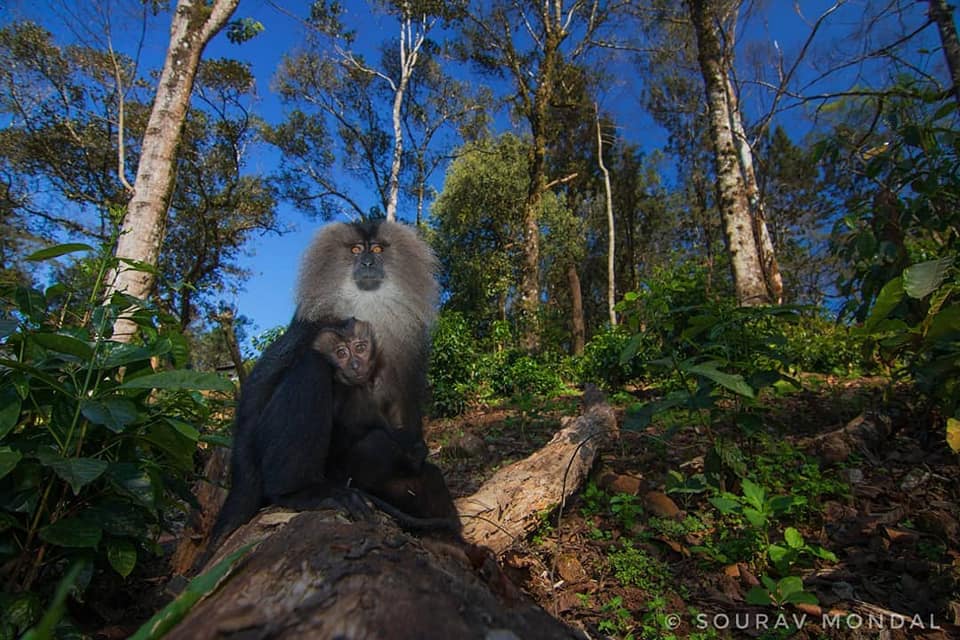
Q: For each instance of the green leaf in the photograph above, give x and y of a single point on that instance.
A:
(945, 323)
(57, 251)
(781, 556)
(122, 555)
(113, 413)
(823, 554)
(754, 493)
(173, 613)
(121, 355)
(8, 460)
(77, 472)
(756, 517)
(922, 279)
(782, 504)
(725, 505)
(759, 596)
(10, 404)
(180, 380)
(63, 344)
(890, 296)
(730, 381)
(135, 482)
(793, 538)
(790, 584)
(77, 533)
(172, 442)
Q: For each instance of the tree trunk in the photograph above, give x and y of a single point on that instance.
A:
(318, 575)
(141, 232)
(942, 14)
(768, 259)
(577, 325)
(748, 277)
(611, 233)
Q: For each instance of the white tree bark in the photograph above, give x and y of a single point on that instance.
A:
(194, 23)
(611, 233)
(413, 33)
(748, 275)
(768, 259)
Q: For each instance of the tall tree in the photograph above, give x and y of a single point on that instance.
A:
(530, 42)
(740, 226)
(334, 88)
(194, 23)
(942, 14)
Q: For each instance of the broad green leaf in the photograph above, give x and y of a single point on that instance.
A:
(135, 482)
(754, 493)
(8, 460)
(77, 533)
(945, 323)
(63, 344)
(180, 380)
(890, 296)
(922, 279)
(113, 413)
(782, 504)
(725, 505)
(186, 430)
(122, 555)
(793, 538)
(780, 554)
(121, 355)
(168, 439)
(173, 613)
(77, 472)
(756, 517)
(953, 434)
(790, 584)
(823, 554)
(119, 517)
(10, 404)
(57, 251)
(731, 381)
(759, 596)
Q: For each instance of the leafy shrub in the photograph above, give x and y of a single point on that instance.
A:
(816, 345)
(523, 375)
(95, 447)
(601, 361)
(453, 364)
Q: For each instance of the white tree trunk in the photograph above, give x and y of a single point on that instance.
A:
(611, 233)
(748, 276)
(194, 23)
(768, 259)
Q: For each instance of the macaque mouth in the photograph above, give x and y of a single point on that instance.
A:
(368, 283)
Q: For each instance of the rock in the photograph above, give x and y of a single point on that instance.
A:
(570, 569)
(468, 445)
(660, 505)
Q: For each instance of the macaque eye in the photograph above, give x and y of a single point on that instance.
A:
(343, 353)
(376, 248)
(360, 347)
(356, 249)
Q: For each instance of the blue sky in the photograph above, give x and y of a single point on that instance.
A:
(267, 297)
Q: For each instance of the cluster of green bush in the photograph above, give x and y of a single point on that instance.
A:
(668, 328)
(97, 443)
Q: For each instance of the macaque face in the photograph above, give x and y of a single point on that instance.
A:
(351, 351)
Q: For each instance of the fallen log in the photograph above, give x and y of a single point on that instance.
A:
(508, 507)
(319, 575)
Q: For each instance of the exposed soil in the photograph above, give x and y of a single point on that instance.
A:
(882, 491)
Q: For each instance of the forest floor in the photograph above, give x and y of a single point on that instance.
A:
(854, 467)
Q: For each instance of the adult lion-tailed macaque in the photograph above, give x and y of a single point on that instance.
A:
(383, 274)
